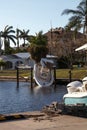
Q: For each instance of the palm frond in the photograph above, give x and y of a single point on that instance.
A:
(10, 31)
(81, 10)
(69, 11)
(27, 31)
(7, 28)
(10, 38)
(82, 3)
(79, 16)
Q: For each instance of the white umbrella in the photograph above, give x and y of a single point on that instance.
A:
(83, 47)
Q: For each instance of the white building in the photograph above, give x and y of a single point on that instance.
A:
(21, 58)
(15, 59)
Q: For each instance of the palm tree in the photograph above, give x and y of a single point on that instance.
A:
(17, 37)
(39, 39)
(7, 34)
(78, 19)
(0, 45)
(38, 46)
(24, 35)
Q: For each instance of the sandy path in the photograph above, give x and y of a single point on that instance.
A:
(61, 122)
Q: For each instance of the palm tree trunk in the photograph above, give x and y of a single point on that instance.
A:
(17, 35)
(4, 45)
(0, 43)
(18, 43)
(24, 42)
(86, 21)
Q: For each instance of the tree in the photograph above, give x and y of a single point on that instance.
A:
(17, 37)
(2, 64)
(0, 45)
(23, 34)
(38, 46)
(39, 39)
(78, 19)
(7, 34)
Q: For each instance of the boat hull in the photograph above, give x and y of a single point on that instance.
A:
(75, 98)
(43, 79)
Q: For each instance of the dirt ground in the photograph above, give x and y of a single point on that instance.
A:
(39, 121)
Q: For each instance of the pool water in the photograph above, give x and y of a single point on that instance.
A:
(15, 99)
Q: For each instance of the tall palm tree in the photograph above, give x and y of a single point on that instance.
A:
(41, 39)
(0, 44)
(7, 34)
(17, 37)
(78, 19)
(38, 46)
(24, 35)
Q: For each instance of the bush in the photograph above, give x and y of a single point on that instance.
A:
(37, 52)
(63, 63)
(2, 63)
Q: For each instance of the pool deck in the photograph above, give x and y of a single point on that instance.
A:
(39, 121)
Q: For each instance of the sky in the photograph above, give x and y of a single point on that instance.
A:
(35, 15)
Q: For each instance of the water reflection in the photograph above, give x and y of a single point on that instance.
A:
(23, 98)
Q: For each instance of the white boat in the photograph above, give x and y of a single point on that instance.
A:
(74, 86)
(77, 93)
(43, 75)
(75, 98)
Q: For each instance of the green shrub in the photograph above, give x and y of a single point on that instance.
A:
(37, 52)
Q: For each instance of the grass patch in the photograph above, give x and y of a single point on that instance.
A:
(76, 73)
(60, 73)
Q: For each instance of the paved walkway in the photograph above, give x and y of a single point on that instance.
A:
(61, 122)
